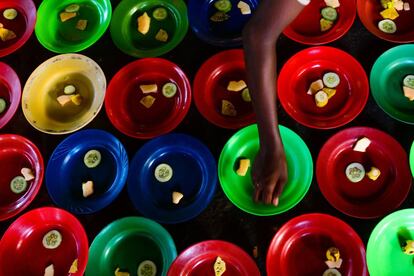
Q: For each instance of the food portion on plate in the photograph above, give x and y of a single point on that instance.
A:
(20, 183)
(145, 268)
(237, 86)
(324, 89)
(223, 7)
(392, 10)
(219, 266)
(169, 90)
(12, 25)
(145, 23)
(329, 15)
(408, 87)
(73, 12)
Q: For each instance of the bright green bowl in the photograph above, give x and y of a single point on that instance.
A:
(126, 242)
(386, 80)
(124, 27)
(245, 143)
(63, 37)
(384, 253)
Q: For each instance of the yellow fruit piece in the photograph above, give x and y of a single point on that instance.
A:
(389, 13)
(333, 254)
(161, 35)
(228, 109)
(219, 267)
(27, 174)
(362, 144)
(148, 88)
(409, 93)
(332, 3)
(374, 173)
(236, 86)
(244, 8)
(74, 266)
(147, 101)
(315, 87)
(144, 22)
(50, 270)
(176, 197)
(329, 91)
(6, 34)
(65, 16)
(321, 99)
(63, 100)
(120, 273)
(87, 188)
(244, 165)
(81, 24)
(76, 99)
(409, 247)
(325, 24)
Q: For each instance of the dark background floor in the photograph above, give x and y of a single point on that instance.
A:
(221, 220)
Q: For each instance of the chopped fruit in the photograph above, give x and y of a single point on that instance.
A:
(163, 172)
(169, 90)
(120, 273)
(389, 13)
(409, 247)
(329, 91)
(325, 24)
(355, 172)
(219, 267)
(362, 144)
(409, 81)
(92, 158)
(147, 268)
(10, 14)
(399, 5)
(384, 3)
(244, 165)
(148, 88)
(244, 8)
(147, 101)
(87, 188)
(406, 6)
(144, 22)
(228, 109)
(236, 86)
(18, 185)
(315, 87)
(76, 99)
(3, 105)
(332, 3)
(331, 80)
(409, 93)
(65, 16)
(219, 17)
(72, 8)
(387, 26)
(333, 254)
(6, 34)
(27, 174)
(246, 95)
(331, 272)
(374, 173)
(52, 239)
(81, 24)
(160, 14)
(321, 99)
(161, 35)
(176, 197)
(336, 264)
(64, 99)
(74, 266)
(223, 5)
(69, 89)
(49, 271)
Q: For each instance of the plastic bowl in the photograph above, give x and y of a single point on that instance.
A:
(127, 242)
(367, 198)
(210, 88)
(10, 91)
(199, 259)
(306, 27)
(224, 34)
(124, 26)
(16, 153)
(64, 37)
(239, 190)
(22, 25)
(369, 13)
(66, 171)
(22, 251)
(46, 83)
(123, 98)
(310, 65)
(194, 175)
(412, 159)
(385, 256)
(299, 247)
(386, 80)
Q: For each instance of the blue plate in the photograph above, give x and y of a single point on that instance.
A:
(66, 171)
(225, 34)
(194, 175)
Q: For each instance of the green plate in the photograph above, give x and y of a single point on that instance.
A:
(245, 143)
(412, 159)
(124, 27)
(126, 242)
(63, 37)
(384, 253)
(386, 81)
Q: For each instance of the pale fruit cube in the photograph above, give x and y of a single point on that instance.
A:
(362, 144)
(87, 188)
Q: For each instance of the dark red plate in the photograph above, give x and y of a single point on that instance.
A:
(308, 66)
(122, 101)
(306, 27)
(365, 199)
(369, 13)
(299, 247)
(22, 251)
(16, 152)
(198, 260)
(10, 91)
(210, 88)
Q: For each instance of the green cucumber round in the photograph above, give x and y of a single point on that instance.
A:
(223, 5)
(408, 81)
(329, 13)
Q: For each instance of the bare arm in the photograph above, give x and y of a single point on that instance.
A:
(259, 37)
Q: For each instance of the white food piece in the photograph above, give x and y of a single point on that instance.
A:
(336, 264)
(50, 270)
(27, 174)
(87, 188)
(407, 6)
(176, 197)
(362, 144)
(332, 3)
(64, 100)
(244, 8)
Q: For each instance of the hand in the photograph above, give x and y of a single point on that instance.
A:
(269, 173)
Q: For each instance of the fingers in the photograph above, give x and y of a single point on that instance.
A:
(278, 190)
(267, 194)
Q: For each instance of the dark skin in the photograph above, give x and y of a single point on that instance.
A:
(269, 170)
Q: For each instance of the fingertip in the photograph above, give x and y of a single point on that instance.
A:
(275, 201)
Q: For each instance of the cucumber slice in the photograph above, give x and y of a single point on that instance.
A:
(52, 239)
(331, 80)
(408, 81)
(3, 105)
(329, 13)
(72, 8)
(69, 89)
(163, 172)
(92, 159)
(223, 5)
(331, 272)
(147, 268)
(387, 26)
(10, 14)
(169, 90)
(18, 185)
(160, 14)
(246, 95)
(355, 172)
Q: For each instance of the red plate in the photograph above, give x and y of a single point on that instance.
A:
(369, 13)
(210, 88)
(17, 152)
(123, 98)
(299, 247)
(306, 27)
(10, 91)
(309, 65)
(198, 260)
(367, 198)
(22, 251)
